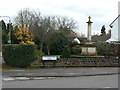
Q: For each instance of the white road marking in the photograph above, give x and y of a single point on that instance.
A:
(39, 78)
(22, 78)
(50, 73)
(8, 79)
(106, 87)
(17, 70)
(50, 77)
(25, 78)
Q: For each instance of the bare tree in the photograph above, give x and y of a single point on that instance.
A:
(50, 35)
(25, 17)
(44, 27)
(39, 28)
(82, 35)
(65, 25)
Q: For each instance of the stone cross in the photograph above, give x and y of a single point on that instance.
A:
(89, 18)
(89, 29)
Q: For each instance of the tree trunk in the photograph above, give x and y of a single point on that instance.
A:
(48, 50)
(41, 45)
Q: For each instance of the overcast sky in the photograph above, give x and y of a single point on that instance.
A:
(103, 12)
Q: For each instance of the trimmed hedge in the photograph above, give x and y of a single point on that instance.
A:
(19, 55)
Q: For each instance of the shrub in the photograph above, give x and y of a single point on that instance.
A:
(40, 53)
(76, 50)
(118, 51)
(22, 42)
(19, 55)
(104, 48)
(27, 42)
(66, 52)
(30, 42)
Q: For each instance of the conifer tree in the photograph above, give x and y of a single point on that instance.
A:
(103, 30)
(66, 52)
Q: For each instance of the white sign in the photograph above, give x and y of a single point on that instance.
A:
(9, 41)
(91, 50)
(84, 50)
(49, 58)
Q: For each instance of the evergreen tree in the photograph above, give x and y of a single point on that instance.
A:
(103, 30)
(58, 46)
(3, 26)
(14, 39)
(5, 36)
(8, 28)
(66, 52)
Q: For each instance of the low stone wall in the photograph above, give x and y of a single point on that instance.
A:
(78, 62)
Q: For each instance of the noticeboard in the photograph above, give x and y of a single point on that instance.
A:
(91, 50)
(49, 58)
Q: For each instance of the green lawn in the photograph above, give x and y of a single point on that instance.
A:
(78, 56)
(58, 56)
(4, 66)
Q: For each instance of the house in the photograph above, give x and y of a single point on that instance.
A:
(100, 38)
(73, 38)
(115, 31)
(115, 28)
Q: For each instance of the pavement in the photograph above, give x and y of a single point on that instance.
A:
(60, 72)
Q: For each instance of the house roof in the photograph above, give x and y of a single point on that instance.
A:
(114, 21)
(96, 38)
(72, 35)
(87, 45)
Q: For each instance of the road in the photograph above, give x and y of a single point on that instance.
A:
(104, 81)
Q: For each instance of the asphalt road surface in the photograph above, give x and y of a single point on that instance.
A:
(104, 81)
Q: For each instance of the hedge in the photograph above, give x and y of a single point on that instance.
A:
(19, 55)
(76, 50)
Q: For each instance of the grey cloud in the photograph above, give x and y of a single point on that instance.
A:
(96, 27)
(96, 12)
